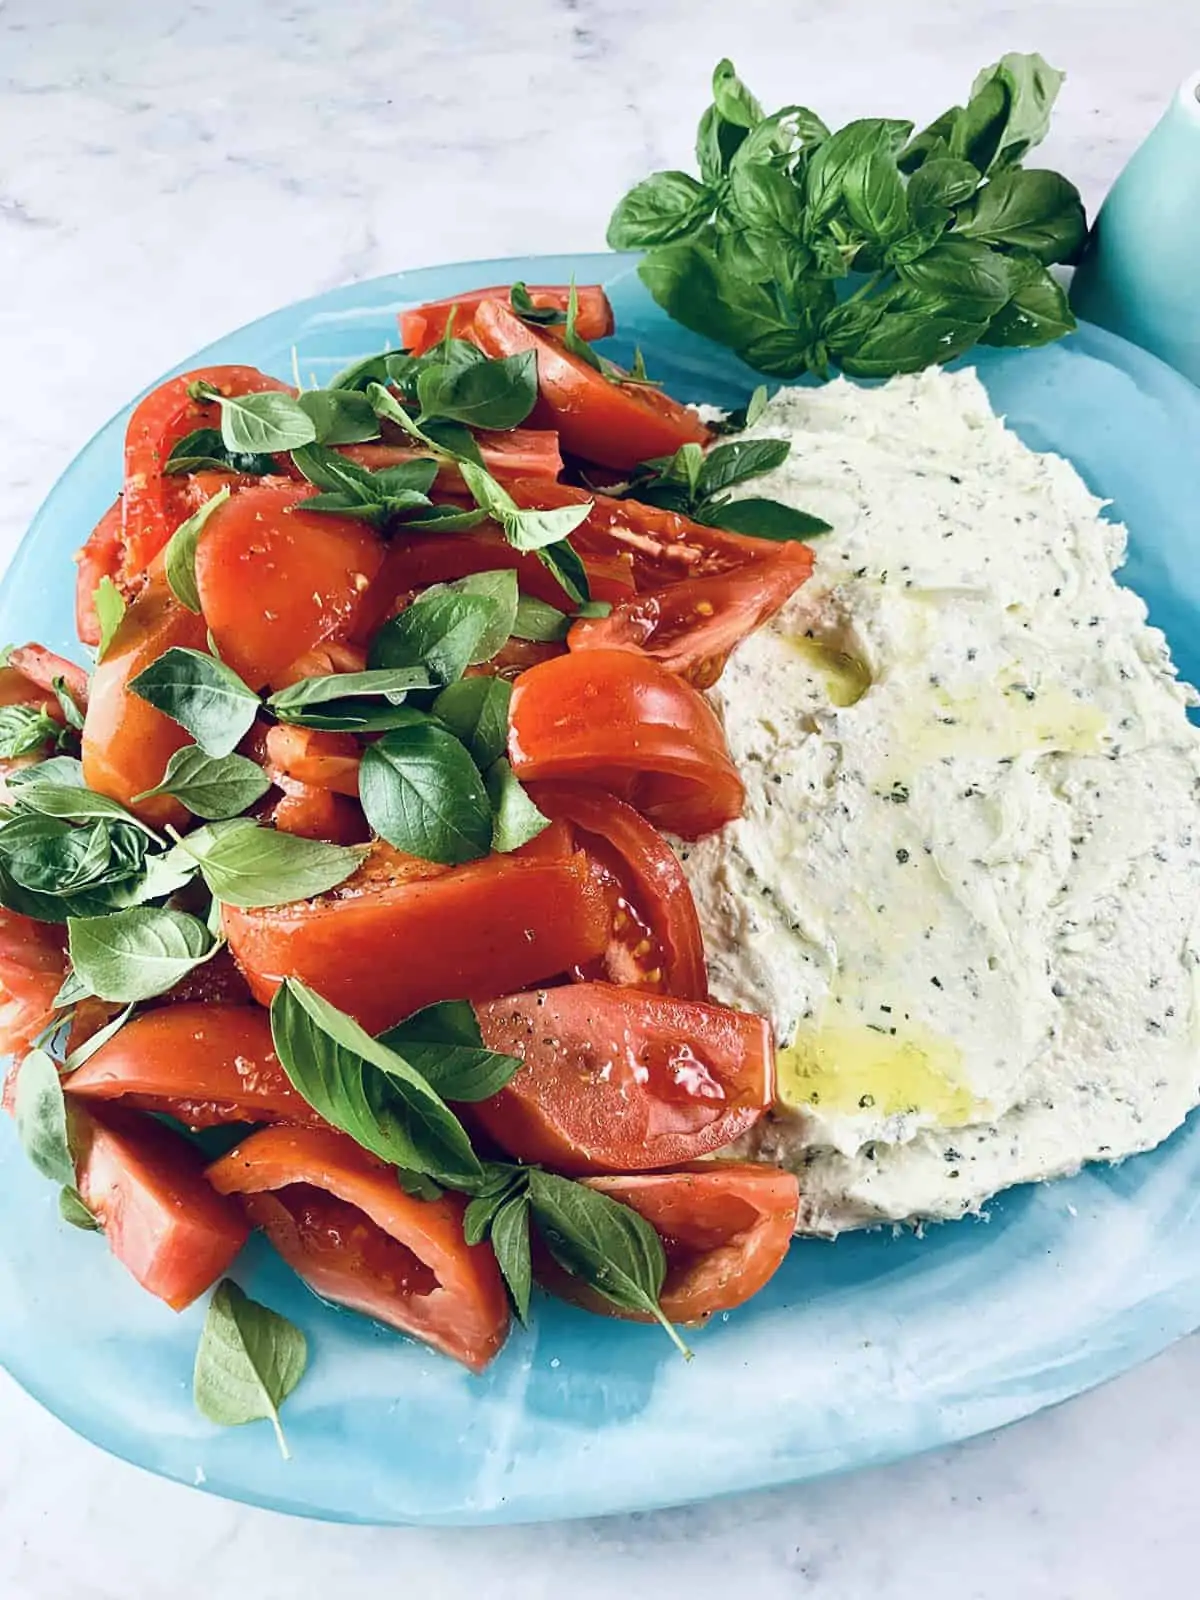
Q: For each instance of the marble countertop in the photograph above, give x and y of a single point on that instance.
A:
(169, 172)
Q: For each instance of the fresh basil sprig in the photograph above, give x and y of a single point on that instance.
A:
(203, 450)
(450, 627)
(51, 870)
(540, 316)
(695, 482)
(24, 729)
(249, 1360)
(212, 787)
(352, 702)
(751, 253)
(202, 695)
(383, 497)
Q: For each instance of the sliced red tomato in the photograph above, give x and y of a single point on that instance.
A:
(163, 1220)
(516, 657)
(519, 453)
(42, 667)
(275, 582)
(626, 723)
(99, 558)
(32, 967)
(665, 546)
(403, 933)
(693, 626)
(314, 812)
(654, 932)
(618, 1080)
(421, 328)
(341, 1221)
(201, 1062)
(18, 690)
(155, 503)
(126, 742)
(616, 424)
(725, 1227)
(324, 660)
(316, 757)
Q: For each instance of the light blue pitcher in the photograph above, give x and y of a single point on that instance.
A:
(1140, 275)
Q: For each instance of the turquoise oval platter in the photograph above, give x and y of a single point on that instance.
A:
(860, 1351)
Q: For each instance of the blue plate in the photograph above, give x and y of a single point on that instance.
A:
(858, 1352)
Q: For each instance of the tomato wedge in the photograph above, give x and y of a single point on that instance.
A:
(42, 667)
(126, 742)
(145, 1184)
(402, 933)
(618, 1080)
(343, 1223)
(314, 756)
(201, 1062)
(32, 967)
(312, 812)
(654, 938)
(693, 626)
(665, 546)
(616, 424)
(725, 1228)
(520, 453)
(99, 558)
(275, 582)
(421, 328)
(626, 723)
(155, 503)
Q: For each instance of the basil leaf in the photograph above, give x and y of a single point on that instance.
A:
(70, 707)
(421, 792)
(110, 608)
(246, 865)
(497, 394)
(476, 712)
(366, 1089)
(942, 182)
(443, 1043)
(72, 1209)
(249, 1360)
(442, 630)
(263, 423)
(568, 571)
(101, 1037)
(607, 1244)
(529, 530)
(478, 1217)
(1037, 313)
(499, 586)
(766, 199)
(847, 162)
(25, 728)
(733, 100)
(357, 714)
(136, 954)
(541, 316)
(41, 1113)
(212, 787)
(72, 803)
(763, 519)
(180, 555)
(717, 142)
(1036, 211)
(60, 771)
(339, 416)
(510, 1241)
(571, 338)
(907, 340)
(71, 990)
(390, 683)
(442, 519)
(329, 470)
(381, 368)
(542, 623)
(202, 695)
(962, 270)
(204, 450)
(516, 818)
(665, 206)
(727, 464)
(49, 870)
(419, 1185)
(1029, 87)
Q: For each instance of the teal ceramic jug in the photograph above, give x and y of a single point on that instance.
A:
(1140, 275)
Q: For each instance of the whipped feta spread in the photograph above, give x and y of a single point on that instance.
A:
(966, 886)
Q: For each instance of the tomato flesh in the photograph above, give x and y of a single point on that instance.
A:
(619, 1080)
(624, 722)
(314, 756)
(519, 453)
(163, 1220)
(42, 667)
(424, 326)
(311, 811)
(341, 1221)
(655, 940)
(33, 964)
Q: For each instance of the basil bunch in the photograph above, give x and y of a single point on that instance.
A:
(696, 482)
(955, 237)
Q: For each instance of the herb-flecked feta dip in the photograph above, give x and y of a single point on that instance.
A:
(966, 884)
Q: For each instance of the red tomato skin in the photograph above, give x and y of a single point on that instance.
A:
(464, 1314)
(725, 1225)
(693, 626)
(617, 425)
(126, 742)
(314, 756)
(155, 503)
(162, 1219)
(202, 1062)
(42, 667)
(382, 946)
(314, 812)
(619, 1080)
(33, 965)
(519, 453)
(275, 582)
(623, 722)
(424, 326)
(99, 558)
(654, 890)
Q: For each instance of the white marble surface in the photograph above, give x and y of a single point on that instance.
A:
(170, 171)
